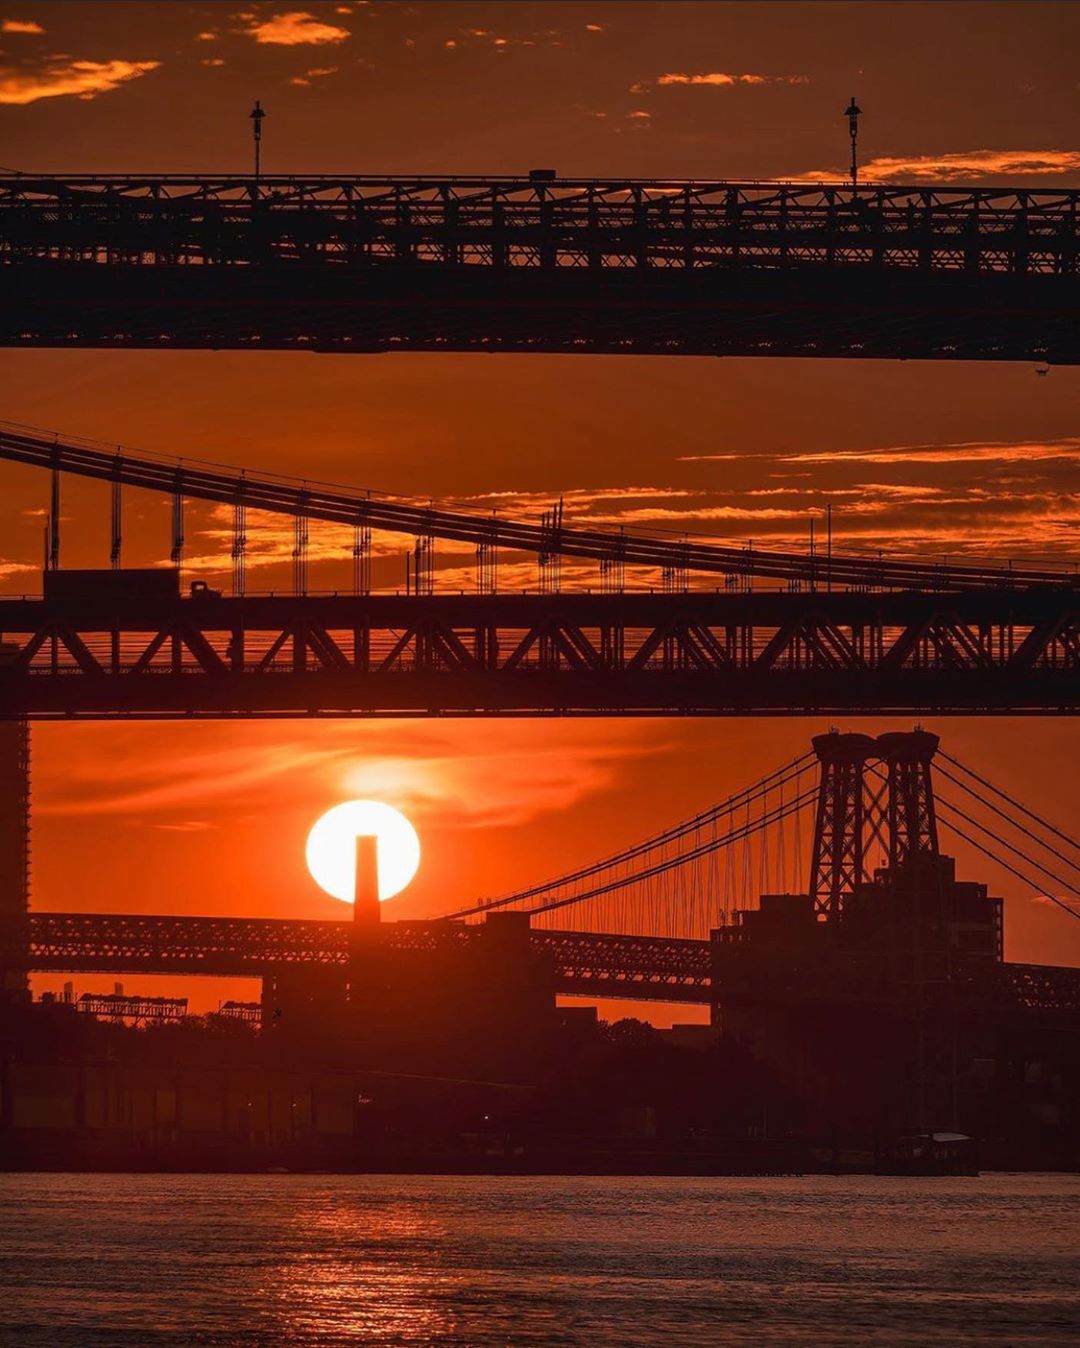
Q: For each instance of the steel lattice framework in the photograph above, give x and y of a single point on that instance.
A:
(366, 263)
(979, 651)
(634, 967)
(617, 966)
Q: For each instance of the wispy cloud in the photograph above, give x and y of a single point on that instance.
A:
(296, 28)
(958, 166)
(9, 568)
(719, 79)
(64, 77)
(20, 26)
(188, 826)
(713, 79)
(964, 452)
(320, 72)
(437, 774)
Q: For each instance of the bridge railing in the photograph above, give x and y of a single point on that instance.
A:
(513, 222)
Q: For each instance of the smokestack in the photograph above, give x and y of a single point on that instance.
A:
(366, 908)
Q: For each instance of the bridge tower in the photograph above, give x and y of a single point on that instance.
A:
(838, 867)
(912, 817)
(14, 857)
(872, 790)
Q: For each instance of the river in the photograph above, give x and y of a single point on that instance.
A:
(157, 1261)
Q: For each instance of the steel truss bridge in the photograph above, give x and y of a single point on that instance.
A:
(637, 968)
(520, 264)
(569, 654)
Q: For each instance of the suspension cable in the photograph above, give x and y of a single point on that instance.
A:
(1045, 823)
(789, 772)
(735, 835)
(999, 861)
(1013, 823)
(1007, 845)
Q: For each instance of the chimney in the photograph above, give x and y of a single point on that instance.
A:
(366, 897)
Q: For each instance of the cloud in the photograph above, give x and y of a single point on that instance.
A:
(958, 166)
(296, 28)
(594, 28)
(212, 61)
(208, 36)
(60, 78)
(188, 826)
(964, 452)
(20, 26)
(65, 77)
(717, 79)
(439, 774)
(320, 72)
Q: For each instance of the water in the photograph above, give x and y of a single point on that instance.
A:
(234, 1261)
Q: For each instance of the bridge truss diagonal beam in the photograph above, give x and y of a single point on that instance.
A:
(640, 968)
(471, 655)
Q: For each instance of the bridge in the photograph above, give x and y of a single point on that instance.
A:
(702, 654)
(712, 628)
(626, 967)
(536, 263)
(878, 918)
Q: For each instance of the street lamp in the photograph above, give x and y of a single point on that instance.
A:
(851, 112)
(257, 116)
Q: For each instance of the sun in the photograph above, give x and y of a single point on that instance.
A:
(331, 848)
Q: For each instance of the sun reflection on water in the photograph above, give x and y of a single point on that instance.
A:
(366, 1273)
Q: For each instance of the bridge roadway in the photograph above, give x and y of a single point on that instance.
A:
(635, 968)
(698, 653)
(510, 264)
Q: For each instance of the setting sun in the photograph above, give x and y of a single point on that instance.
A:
(331, 848)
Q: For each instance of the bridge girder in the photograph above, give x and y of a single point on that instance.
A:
(364, 264)
(564, 654)
(636, 968)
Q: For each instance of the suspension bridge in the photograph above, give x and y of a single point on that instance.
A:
(538, 263)
(674, 625)
(671, 917)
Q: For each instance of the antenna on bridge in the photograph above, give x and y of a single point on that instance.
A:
(257, 116)
(852, 112)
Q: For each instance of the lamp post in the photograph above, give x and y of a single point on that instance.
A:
(851, 112)
(257, 116)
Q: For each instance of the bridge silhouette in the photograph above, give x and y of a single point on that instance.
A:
(875, 833)
(783, 632)
(343, 264)
(364, 264)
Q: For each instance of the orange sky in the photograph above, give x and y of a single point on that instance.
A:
(213, 818)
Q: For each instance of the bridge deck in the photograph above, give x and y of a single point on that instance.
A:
(638, 968)
(362, 264)
(977, 651)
